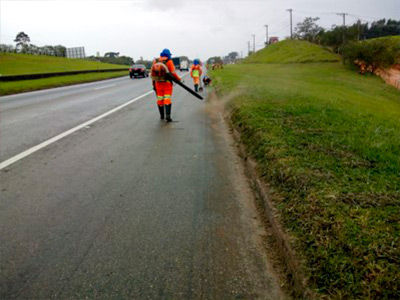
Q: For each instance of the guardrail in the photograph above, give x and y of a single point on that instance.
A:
(47, 75)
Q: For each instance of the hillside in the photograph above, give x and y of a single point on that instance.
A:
(15, 64)
(292, 51)
(326, 142)
(393, 37)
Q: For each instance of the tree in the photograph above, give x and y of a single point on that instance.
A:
(376, 53)
(33, 49)
(214, 60)
(111, 54)
(147, 63)
(232, 56)
(7, 48)
(308, 29)
(121, 60)
(22, 40)
(60, 50)
(48, 50)
(181, 58)
(334, 38)
(384, 28)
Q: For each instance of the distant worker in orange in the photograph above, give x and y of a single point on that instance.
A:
(162, 68)
(195, 72)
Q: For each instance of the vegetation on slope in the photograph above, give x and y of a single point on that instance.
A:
(15, 87)
(292, 51)
(327, 143)
(16, 64)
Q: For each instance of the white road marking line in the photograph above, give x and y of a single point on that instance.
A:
(24, 154)
(104, 87)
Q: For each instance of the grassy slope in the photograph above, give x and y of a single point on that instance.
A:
(14, 64)
(393, 37)
(327, 141)
(292, 51)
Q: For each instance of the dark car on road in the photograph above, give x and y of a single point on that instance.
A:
(138, 70)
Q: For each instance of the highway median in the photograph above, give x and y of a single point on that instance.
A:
(15, 87)
(56, 71)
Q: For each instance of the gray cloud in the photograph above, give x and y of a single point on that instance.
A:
(189, 27)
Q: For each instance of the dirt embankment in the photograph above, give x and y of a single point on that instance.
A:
(391, 75)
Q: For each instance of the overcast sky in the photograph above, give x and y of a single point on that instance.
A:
(196, 28)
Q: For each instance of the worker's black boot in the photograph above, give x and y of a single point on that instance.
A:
(161, 109)
(196, 88)
(168, 113)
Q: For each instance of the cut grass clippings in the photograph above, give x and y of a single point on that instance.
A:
(327, 143)
(14, 87)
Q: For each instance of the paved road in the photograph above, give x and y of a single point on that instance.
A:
(129, 207)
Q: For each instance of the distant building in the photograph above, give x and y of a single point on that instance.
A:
(273, 40)
(76, 52)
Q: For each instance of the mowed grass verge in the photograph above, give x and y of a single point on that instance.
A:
(327, 142)
(14, 87)
(17, 64)
(292, 51)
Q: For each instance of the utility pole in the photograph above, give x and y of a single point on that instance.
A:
(266, 41)
(291, 23)
(344, 17)
(254, 43)
(344, 24)
(248, 44)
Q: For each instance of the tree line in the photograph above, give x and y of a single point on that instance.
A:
(231, 58)
(24, 46)
(366, 46)
(338, 36)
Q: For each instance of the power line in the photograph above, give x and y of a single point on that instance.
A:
(364, 17)
(283, 24)
(280, 30)
(333, 13)
(314, 12)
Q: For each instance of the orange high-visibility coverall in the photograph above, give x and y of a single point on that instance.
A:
(164, 87)
(195, 73)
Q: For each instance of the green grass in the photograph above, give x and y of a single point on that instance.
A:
(14, 87)
(292, 51)
(392, 37)
(327, 141)
(16, 64)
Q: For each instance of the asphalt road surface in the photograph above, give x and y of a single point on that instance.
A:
(128, 207)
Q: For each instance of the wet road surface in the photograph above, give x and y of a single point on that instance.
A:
(129, 207)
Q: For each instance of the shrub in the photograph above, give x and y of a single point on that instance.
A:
(374, 54)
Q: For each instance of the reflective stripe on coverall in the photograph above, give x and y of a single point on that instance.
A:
(196, 73)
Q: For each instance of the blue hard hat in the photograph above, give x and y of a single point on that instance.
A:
(166, 53)
(196, 61)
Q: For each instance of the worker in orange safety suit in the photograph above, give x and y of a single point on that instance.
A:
(163, 87)
(195, 72)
